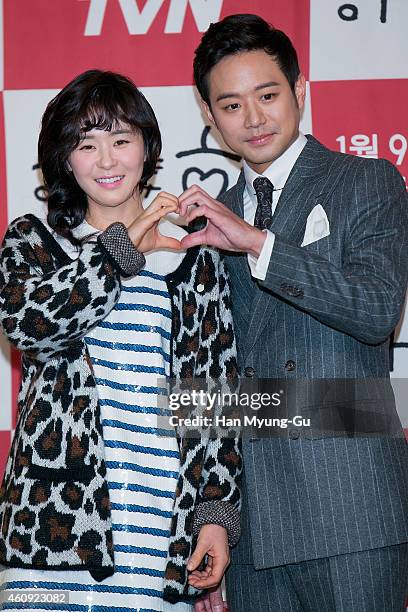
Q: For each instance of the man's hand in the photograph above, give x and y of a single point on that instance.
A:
(212, 601)
(144, 231)
(213, 542)
(224, 229)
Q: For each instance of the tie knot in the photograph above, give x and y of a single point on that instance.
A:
(263, 185)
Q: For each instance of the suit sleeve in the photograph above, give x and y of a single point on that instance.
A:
(364, 296)
(44, 313)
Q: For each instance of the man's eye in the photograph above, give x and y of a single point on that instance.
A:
(269, 96)
(233, 106)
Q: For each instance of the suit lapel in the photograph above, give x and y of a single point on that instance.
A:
(243, 288)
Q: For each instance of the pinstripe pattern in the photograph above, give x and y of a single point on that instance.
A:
(311, 497)
(367, 581)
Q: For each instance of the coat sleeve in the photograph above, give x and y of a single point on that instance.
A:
(44, 312)
(364, 296)
(219, 499)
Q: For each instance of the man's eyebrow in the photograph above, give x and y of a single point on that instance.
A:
(268, 84)
(231, 94)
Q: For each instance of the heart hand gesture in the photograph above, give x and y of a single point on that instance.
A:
(144, 231)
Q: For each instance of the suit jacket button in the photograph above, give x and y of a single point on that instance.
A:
(249, 372)
(294, 434)
(290, 365)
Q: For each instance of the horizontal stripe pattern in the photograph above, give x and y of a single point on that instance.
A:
(130, 352)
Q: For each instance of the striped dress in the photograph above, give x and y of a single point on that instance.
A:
(130, 351)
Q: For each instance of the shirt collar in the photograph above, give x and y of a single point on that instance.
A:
(279, 170)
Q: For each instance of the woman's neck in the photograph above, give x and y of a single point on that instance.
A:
(100, 217)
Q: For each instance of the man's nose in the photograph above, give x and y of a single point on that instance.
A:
(254, 116)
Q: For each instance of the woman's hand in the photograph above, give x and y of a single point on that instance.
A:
(144, 231)
(213, 542)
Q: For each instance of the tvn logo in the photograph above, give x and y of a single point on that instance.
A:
(140, 21)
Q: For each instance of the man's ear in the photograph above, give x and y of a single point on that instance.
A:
(300, 91)
(207, 111)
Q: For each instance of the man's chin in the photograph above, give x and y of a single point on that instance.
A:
(260, 164)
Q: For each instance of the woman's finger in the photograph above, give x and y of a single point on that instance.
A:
(147, 221)
(169, 243)
(163, 198)
(151, 217)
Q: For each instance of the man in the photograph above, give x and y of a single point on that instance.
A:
(318, 282)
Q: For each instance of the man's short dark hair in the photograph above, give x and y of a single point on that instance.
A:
(237, 34)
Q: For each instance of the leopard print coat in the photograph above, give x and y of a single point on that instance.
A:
(54, 499)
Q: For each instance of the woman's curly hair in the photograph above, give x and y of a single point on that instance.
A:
(94, 99)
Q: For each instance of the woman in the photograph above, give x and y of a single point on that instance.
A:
(102, 302)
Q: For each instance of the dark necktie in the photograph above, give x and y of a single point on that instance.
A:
(264, 190)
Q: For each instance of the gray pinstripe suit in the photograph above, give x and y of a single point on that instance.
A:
(323, 311)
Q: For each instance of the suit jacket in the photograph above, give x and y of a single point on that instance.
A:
(324, 311)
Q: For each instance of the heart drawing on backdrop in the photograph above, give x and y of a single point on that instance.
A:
(215, 181)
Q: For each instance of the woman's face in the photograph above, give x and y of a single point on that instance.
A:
(108, 166)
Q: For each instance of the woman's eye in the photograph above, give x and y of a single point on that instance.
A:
(85, 147)
(121, 142)
(268, 96)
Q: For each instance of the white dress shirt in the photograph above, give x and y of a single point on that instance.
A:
(277, 173)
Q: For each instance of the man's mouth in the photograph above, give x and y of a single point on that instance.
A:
(261, 139)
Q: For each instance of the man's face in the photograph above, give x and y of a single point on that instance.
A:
(254, 107)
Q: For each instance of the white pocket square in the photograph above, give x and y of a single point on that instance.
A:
(317, 226)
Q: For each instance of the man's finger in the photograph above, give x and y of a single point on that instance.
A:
(216, 600)
(199, 606)
(214, 214)
(197, 199)
(193, 189)
(194, 239)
